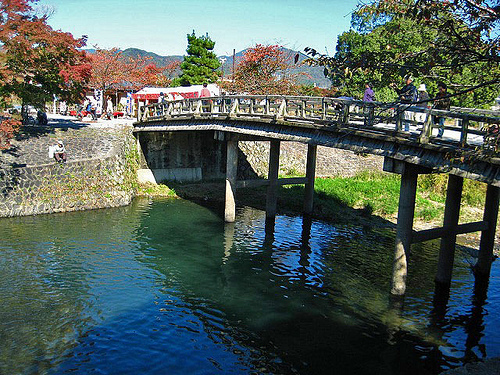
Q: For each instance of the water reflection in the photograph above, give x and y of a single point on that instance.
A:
(167, 287)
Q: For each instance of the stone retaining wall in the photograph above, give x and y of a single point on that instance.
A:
(76, 185)
(330, 161)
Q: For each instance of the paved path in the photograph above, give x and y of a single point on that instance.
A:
(82, 140)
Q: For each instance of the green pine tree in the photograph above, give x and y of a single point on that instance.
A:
(201, 63)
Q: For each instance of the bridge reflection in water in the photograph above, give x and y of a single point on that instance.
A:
(465, 151)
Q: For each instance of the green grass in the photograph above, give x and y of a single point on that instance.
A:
(373, 192)
(345, 198)
(152, 190)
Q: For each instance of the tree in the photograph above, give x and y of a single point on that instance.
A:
(110, 69)
(263, 70)
(8, 128)
(38, 62)
(455, 42)
(201, 63)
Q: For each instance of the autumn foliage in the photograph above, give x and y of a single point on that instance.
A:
(38, 62)
(263, 70)
(111, 69)
(7, 129)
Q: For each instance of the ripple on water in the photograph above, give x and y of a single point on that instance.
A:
(166, 287)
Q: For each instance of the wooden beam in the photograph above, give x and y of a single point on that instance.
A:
(434, 233)
(265, 182)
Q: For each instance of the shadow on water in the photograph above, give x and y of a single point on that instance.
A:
(167, 287)
(313, 310)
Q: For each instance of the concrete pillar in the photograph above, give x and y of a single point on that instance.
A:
(272, 189)
(404, 228)
(310, 175)
(231, 175)
(142, 157)
(486, 245)
(451, 217)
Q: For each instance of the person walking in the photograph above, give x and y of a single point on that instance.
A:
(407, 95)
(442, 102)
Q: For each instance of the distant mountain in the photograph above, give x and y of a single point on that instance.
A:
(308, 74)
(157, 59)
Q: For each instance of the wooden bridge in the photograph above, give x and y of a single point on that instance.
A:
(466, 150)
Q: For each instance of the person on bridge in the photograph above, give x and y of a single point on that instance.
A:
(369, 96)
(442, 103)
(407, 95)
(423, 97)
(205, 93)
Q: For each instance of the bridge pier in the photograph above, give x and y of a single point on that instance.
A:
(310, 175)
(272, 188)
(231, 176)
(487, 243)
(404, 228)
(450, 223)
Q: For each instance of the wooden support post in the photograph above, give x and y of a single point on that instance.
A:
(487, 243)
(310, 175)
(231, 174)
(450, 223)
(272, 189)
(406, 211)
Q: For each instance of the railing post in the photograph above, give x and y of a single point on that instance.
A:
(234, 107)
(282, 109)
(345, 113)
(399, 117)
(303, 109)
(268, 105)
(323, 109)
(223, 104)
(251, 106)
(427, 127)
(465, 129)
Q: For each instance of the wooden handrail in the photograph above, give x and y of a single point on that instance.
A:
(326, 111)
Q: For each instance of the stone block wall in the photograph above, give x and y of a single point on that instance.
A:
(72, 186)
(330, 162)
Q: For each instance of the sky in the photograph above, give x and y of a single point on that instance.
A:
(161, 26)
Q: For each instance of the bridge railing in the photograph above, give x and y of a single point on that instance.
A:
(464, 127)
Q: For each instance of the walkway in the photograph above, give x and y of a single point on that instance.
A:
(82, 140)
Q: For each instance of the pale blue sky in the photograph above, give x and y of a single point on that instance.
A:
(161, 26)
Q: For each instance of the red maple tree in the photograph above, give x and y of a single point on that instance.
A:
(263, 70)
(37, 62)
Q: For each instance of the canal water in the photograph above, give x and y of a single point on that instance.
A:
(165, 287)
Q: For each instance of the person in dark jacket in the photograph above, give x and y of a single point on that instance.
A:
(442, 102)
(407, 95)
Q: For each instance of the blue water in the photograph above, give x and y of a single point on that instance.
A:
(165, 287)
